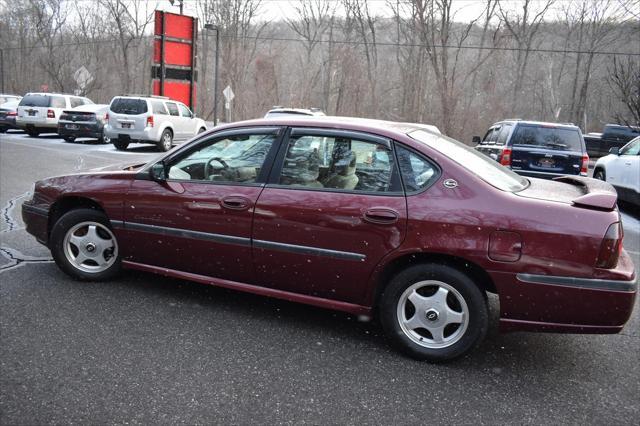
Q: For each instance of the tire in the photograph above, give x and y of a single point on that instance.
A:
(166, 139)
(105, 139)
(69, 139)
(3, 129)
(33, 133)
(84, 246)
(120, 145)
(201, 130)
(438, 325)
(600, 175)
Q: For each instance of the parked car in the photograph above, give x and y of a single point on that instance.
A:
(278, 112)
(86, 121)
(40, 112)
(536, 149)
(9, 98)
(418, 236)
(8, 113)
(150, 119)
(612, 136)
(621, 168)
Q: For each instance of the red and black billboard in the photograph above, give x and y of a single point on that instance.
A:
(174, 57)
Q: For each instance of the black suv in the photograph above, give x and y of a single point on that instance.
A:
(536, 149)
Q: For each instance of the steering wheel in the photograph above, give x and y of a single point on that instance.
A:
(208, 166)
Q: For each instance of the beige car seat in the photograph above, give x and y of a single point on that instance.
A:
(345, 173)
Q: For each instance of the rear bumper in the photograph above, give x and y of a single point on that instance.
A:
(36, 220)
(150, 134)
(8, 123)
(90, 130)
(531, 302)
(47, 123)
(541, 175)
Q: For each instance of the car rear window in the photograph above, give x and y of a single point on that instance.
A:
(129, 106)
(479, 164)
(35, 101)
(556, 138)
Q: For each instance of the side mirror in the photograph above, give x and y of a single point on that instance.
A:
(157, 172)
(476, 140)
(614, 150)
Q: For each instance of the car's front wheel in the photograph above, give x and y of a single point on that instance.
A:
(434, 312)
(69, 138)
(600, 174)
(84, 246)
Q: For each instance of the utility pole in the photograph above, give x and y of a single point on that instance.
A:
(1, 70)
(215, 77)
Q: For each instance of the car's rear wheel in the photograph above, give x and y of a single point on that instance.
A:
(33, 133)
(120, 144)
(600, 174)
(84, 246)
(69, 138)
(3, 129)
(165, 140)
(434, 312)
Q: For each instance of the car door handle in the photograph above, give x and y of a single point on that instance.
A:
(628, 163)
(235, 202)
(381, 216)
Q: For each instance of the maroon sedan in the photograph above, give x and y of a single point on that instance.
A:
(360, 216)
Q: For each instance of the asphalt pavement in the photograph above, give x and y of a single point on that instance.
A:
(145, 349)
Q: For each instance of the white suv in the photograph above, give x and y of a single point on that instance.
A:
(40, 112)
(150, 119)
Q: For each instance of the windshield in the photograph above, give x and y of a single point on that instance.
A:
(479, 164)
(548, 137)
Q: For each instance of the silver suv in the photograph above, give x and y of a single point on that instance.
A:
(150, 119)
(40, 112)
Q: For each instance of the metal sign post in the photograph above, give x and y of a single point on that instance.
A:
(228, 97)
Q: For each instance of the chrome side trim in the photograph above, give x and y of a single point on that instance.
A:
(586, 283)
(344, 255)
(184, 233)
(241, 241)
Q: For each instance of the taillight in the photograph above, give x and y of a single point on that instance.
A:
(611, 247)
(505, 157)
(584, 169)
(150, 121)
(12, 114)
(106, 117)
(51, 114)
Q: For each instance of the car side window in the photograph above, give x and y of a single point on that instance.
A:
(417, 172)
(173, 108)
(633, 148)
(184, 111)
(158, 107)
(337, 163)
(76, 102)
(504, 134)
(228, 159)
(58, 102)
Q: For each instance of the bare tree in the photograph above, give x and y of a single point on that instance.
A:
(624, 80)
(523, 28)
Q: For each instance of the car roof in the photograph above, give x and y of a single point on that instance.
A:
(89, 108)
(301, 111)
(539, 123)
(390, 129)
(53, 93)
(10, 104)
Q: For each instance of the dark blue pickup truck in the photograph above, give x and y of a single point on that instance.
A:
(612, 136)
